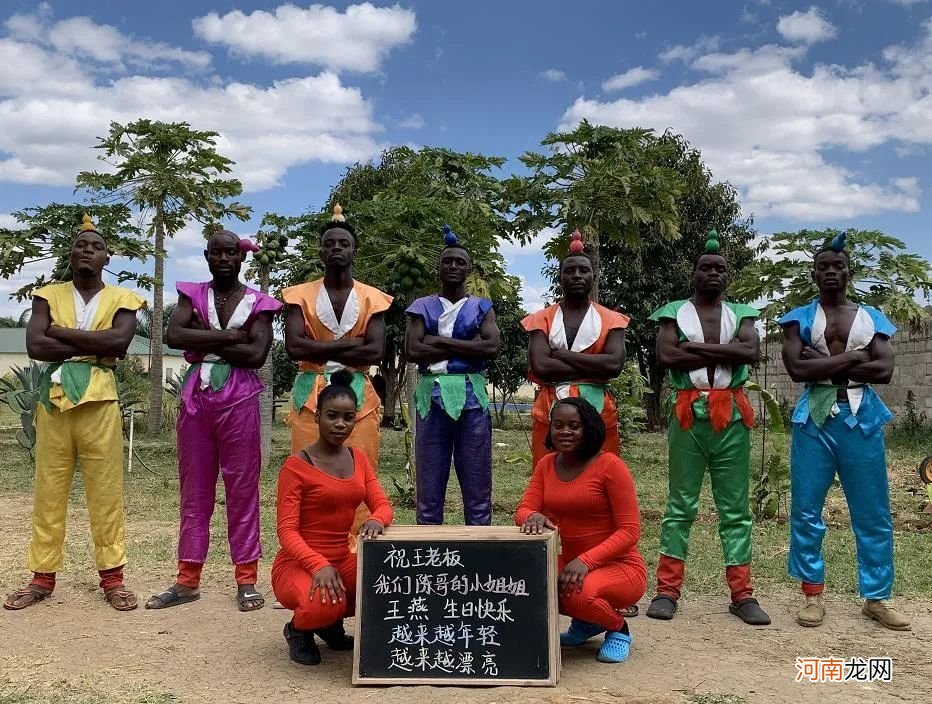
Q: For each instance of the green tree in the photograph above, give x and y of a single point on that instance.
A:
(398, 206)
(144, 320)
(171, 173)
(46, 234)
(883, 273)
(614, 185)
(508, 371)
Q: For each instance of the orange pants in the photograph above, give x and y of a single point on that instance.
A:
(292, 586)
(365, 436)
(605, 590)
(539, 432)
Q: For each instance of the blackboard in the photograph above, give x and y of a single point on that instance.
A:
(457, 605)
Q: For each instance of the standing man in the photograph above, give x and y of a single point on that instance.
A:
(838, 348)
(334, 323)
(225, 328)
(577, 347)
(707, 344)
(80, 328)
(452, 336)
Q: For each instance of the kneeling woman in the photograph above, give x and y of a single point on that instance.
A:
(589, 495)
(319, 489)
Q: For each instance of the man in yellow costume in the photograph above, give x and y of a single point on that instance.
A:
(80, 328)
(334, 323)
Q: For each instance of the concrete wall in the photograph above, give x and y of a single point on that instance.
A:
(913, 371)
(8, 361)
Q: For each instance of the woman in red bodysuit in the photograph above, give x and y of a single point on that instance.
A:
(589, 495)
(319, 489)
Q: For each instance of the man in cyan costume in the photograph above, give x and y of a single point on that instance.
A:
(334, 323)
(707, 344)
(453, 336)
(577, 347)
(225, 328)
(839, 349)
(80, 328)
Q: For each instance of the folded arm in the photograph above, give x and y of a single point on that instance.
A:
(39, 345)
(879, 370)
(252, 353)
(187, 332)
(482, 347)
(605, 365)
(112, 342)
(805, 364)
(744, 349)
(351, 351)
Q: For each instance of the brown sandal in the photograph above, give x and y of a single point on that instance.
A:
(27, 596)
(121, 598)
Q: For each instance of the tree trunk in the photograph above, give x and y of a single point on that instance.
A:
(596, 267)
(390, 373)
(266, 398)
(410, 383)
(156, 375)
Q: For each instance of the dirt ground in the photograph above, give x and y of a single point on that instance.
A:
(209, 652)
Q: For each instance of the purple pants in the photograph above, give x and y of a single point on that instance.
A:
(469, 441)
(226, 442)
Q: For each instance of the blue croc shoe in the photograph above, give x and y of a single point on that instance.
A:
(579, 632)
(615, 648)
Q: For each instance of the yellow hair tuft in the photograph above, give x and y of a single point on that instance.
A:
(87, 224)
(338, 214)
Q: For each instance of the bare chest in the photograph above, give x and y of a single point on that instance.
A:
(838, 322)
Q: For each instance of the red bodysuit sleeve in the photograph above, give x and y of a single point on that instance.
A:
(533, 499)
(291, 496)
(619, 487)
(379, 506)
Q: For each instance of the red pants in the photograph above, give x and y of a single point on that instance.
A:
(292, 586)
(605, 590)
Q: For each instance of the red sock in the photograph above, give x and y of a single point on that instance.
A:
(739, 581)
(189, 574)
(247, 573)
(109, 579)
(670, 575)
(43, 580)
(812, 589)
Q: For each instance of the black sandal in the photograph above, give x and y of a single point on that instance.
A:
(662, 607)
(247, 592)
(749, 611)
(335, 636)
(301, 646)
(171, 597)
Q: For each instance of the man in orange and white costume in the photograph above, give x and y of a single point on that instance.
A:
(577, 347)
(334, 323)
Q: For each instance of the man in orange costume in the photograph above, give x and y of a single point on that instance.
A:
(577, 346)
(336, 323)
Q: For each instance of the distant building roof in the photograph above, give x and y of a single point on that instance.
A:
(13, 341)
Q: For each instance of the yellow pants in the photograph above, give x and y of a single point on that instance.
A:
(365, 436)
(91, 435)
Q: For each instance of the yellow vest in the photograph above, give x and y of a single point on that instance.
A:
(60, 297)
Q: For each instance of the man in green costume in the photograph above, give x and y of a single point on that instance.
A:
(707, 344)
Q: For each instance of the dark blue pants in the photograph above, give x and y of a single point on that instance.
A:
(468, 441)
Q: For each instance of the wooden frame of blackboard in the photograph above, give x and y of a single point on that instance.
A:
(461, 534)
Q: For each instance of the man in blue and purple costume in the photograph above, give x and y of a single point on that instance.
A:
(452, 336)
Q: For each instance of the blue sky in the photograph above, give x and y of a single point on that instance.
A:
(820, 115)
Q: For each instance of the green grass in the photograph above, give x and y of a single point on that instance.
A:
(80, 693)
(152, 510)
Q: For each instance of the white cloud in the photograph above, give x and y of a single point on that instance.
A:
(629, 78)
(355, 40)
(511, 250)
(806, 27)
(53, 106)
(553, 75)
(412, 122)
(533, 296)
(8, 222)
(907, 3)
(687, 53)
(767, 127)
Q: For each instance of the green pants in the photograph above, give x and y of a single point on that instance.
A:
(727, 456)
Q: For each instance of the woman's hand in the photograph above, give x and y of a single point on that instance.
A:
(572, 576)
(370, 529)
(535, 524)
(328, 581)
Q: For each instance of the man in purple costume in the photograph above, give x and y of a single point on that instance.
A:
(452, 336)
(226, 329)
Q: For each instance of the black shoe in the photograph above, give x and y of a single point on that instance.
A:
(335, 637)
(749, 611)
(662, 607)
(301, 646)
